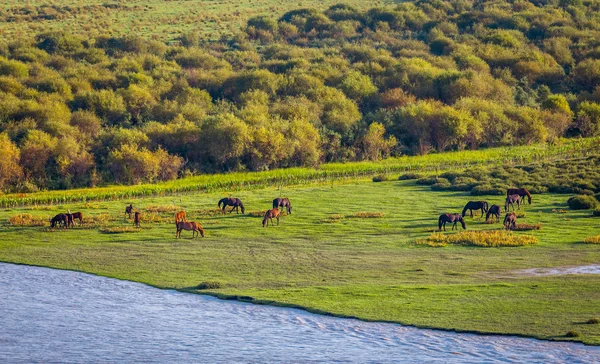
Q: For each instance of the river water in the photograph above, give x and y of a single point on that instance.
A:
(54, 316)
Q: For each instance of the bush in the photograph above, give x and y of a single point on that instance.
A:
(368, 215)
(596, 211)
(582, 202)
(592, 240)
(593, 321)
(573, 333)
(27, 220)
(487, 190)
(381, 178)
(209, 285)
(410, 176)
(441, 186)
(494, 238)
(525, 227)
(428, 181)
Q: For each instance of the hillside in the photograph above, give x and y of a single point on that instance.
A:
(89, 106)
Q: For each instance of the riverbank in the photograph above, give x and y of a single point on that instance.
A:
(327, 259)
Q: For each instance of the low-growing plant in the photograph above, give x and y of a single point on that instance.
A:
(596, 211)
(368, 215)
(592, 240)
(495, 238)
(256, 213)
(163, 208)
(487, 190)
(332, 219)
(573, 333)
(593, 321)
(428, 181)
(208, 285)
(120, 230)
(28, 220)
(582, 202)
(525, 227)
(381, 178)
(410, 176)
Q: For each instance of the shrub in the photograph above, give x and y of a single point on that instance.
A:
(428, 181)
(596, 211)
(27, 220)
(381, 178)
(209, 285)
(120, 230)
(582, 202)
(494, 238)
(332, 219)
(368, 215)
(256, 213)
(592, 240)
(573, 333)
(163, 208)
(410, 176)
(524, 227)
(593, 321)
(441, 186)
(487, 190)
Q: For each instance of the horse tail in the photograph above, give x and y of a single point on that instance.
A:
(440, 222)
(220, 201)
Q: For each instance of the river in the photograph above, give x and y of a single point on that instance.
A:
(55, 316)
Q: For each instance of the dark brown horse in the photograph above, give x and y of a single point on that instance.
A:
(137, 217)
(522, 192)
(60, 219)
(283, 202)
(129, 210)
(269, 215)
(475, 205)
(180, 216)
(453, 218)
(512, 200)
(189, 225)
(494, 210)
(70, 220)
(510, 221)
(231, 201)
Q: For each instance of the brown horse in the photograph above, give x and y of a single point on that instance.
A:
(70, 220)
(269, 215)
(494, 210)
(78, 216)
(283, 202)
(454, 218)
(231, 201)
(60, 219)
(129, 210)
(475, 205)
(137, 217)
(510, 221)
(190, 225)
(180, 216)
(511, 201)
(521, 192)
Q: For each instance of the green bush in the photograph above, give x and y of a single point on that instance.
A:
(441, 186)
(487, 190)
(410, 176)
(428, 181)
(381, 178)
(596, 211)
(582, 202)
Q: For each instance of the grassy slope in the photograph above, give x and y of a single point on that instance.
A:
(158, 18)
(366, 268)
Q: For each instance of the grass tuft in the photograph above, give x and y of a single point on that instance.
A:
(209, 285)
(573, 333)
(381, 178)
(525, 227)
(120, 230)
(592, 240)
(593, 321)
(368, 215)
(163, 209)
(494, 238)
(332, 219)
(27, 220)
(256, 213)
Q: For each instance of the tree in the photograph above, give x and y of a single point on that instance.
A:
(373, 145)
(10, 170)
(224, 139)
(588, 119)
(357, 86)
(267, 149)
(305, 144)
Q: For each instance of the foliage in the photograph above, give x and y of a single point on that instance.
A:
(592, 240)
(582, 202)
(479, 238)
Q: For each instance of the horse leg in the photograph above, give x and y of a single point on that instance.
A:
(277, 220)
(481, 213)
(471, 211)
(230, 211)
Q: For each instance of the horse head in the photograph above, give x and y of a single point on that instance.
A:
(462, 222)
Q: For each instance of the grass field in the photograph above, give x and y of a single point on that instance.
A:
(157, 19)
(326, 259)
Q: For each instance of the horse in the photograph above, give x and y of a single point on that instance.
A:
(129, 210)
(475, 205)
(510, 221)
(511, 200)
(136, 218)
(191, 225)
(78, 216)
(70, 220)
(283, 202)
(495, 211)
(269, 215)
(59, 219)
(521, 192)
(180, 216)
(231, 201)
(454, 218)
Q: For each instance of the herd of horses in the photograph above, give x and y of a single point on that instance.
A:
(513, 196)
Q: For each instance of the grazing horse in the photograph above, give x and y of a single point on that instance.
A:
(231, 201)
(454, 218)
(510, 221)
(475, 205)
(269, 215)
(129, 210)
(283, 202)
(521, 192)
(511, 200)
(189, 225)
(180, 216)
(59, 219)
(494, 210)
(70, 220)
(137, 216)
(78, 216)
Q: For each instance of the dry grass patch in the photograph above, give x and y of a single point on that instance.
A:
(592, 240)
(120, 230)
(256, 213)
(332, 219)
(496, 238)
(560, 211)
(525, 227)
(160, 209)
(368, 215)
(28, 220)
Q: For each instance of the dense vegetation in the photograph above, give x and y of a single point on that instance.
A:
(311, 86)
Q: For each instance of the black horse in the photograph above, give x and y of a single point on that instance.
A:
(475, 205)
(231, 201)
(283, 202)
(494, 210)
(510, 221)
(60, 219)
(129, 210)
(454, 218)
(521, 192)
(512, 200)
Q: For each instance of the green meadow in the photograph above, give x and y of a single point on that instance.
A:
(328, 258)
